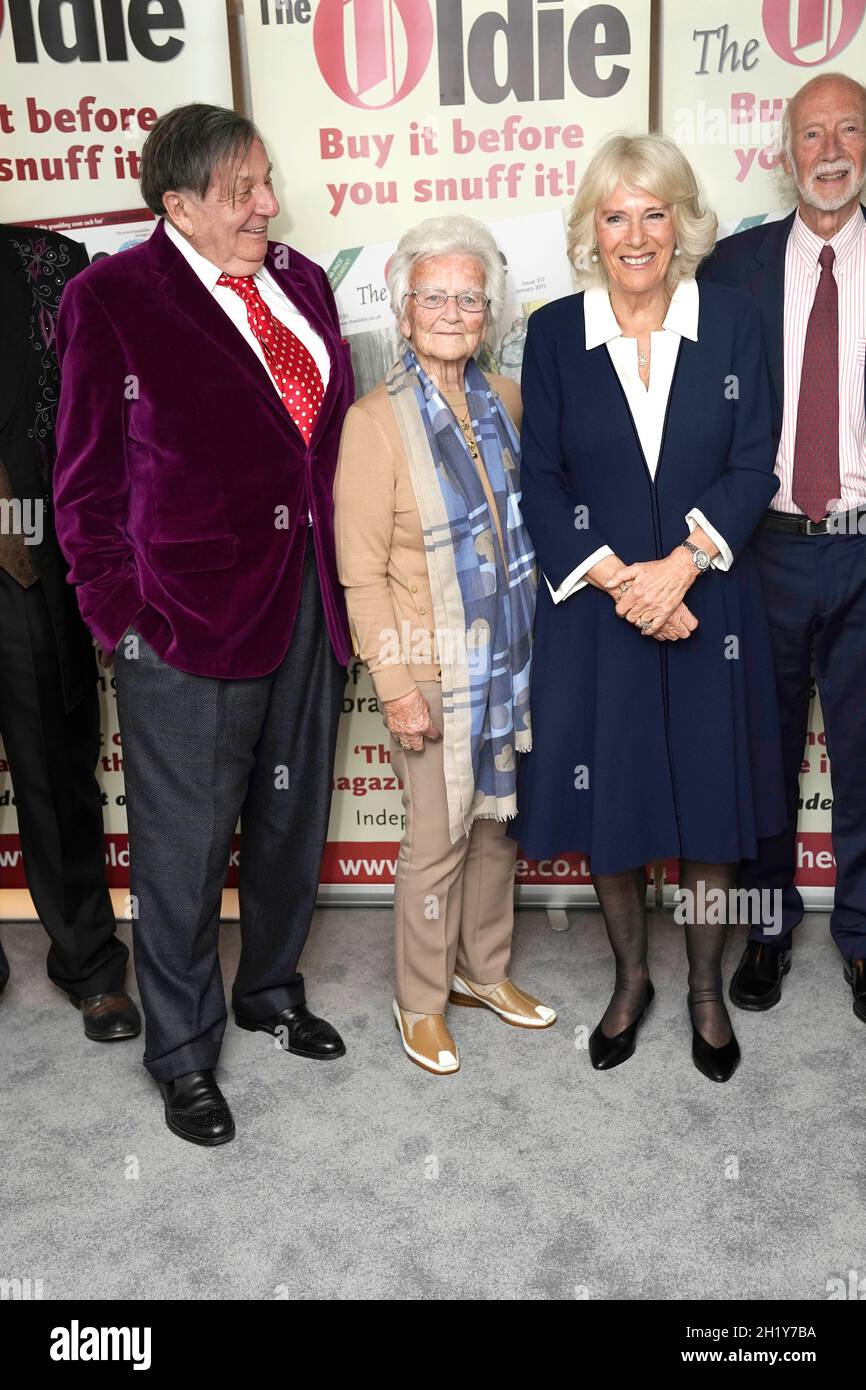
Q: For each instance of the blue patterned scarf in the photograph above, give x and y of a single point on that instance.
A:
(483, 602)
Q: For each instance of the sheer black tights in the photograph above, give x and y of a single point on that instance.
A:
(623, 902)
(708, 896)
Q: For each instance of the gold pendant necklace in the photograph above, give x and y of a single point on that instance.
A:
(466, 427)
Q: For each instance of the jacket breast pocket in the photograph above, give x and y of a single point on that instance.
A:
(192, 556)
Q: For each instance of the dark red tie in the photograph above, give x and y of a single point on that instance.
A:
(816, 446)
(290, 364)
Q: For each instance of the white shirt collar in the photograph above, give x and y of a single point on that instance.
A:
(810, 246)
(681, 317)
(206, 271)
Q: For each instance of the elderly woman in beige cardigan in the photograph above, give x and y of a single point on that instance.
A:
(440, 586)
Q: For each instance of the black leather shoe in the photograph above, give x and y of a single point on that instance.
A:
(717, 1063)
(300, 1032)
(196, 1109)
(855, 974)
(108, 1017)
(757, 981)
(605, 1052)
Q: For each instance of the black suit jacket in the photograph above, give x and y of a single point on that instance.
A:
(754, 260)
(35, 266)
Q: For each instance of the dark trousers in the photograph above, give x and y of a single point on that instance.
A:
(815, 592)
(52, 756)
(199, 753)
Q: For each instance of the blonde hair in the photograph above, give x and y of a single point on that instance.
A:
(647, 164)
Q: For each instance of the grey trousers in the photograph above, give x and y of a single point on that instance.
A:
(198, 754)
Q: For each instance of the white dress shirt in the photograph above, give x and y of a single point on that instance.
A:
(648, 405)
(802, 273)
(234, 307)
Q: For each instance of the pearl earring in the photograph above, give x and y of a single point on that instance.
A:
(676, 250)
(594, 256)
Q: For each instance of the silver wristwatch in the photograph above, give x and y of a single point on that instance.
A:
(700, 558)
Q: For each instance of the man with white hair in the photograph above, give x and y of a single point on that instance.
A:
(808, 274)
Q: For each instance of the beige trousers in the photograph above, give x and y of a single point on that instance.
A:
(453, 903)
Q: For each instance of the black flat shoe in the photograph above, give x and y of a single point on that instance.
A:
(605, 1052)
(855, 974)
(196, 1109)
(757, 981)
(108, 1017)
(716, 1063)
(299, 1032)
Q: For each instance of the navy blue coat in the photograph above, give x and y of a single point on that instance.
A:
(680, 741)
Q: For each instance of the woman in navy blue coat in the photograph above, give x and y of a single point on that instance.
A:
(647, 465)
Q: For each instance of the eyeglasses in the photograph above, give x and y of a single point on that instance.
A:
(428, 297)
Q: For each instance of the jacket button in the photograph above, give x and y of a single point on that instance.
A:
(422, 610)
(413, 588)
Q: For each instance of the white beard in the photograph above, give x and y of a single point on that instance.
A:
(830, 199)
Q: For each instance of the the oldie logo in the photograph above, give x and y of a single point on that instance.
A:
(373, 53)
(373, 24)
(822, 27)
(93, 31)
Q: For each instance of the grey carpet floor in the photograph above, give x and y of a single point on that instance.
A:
(525, 1176)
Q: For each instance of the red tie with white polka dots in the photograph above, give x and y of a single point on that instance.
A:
(289, 362)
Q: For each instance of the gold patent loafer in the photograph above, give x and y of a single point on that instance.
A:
(428, 1042)
(508, 1000)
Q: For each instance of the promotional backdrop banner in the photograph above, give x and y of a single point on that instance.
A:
(83, 81)
(380, 113)
(728, 68)
(81, 84)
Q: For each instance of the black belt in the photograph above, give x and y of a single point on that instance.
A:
(851, 523)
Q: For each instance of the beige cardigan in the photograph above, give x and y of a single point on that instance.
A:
(380, 546)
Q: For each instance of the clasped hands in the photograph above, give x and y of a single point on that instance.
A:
(651, 593)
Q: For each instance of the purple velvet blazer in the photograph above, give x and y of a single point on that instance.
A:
(182, 484)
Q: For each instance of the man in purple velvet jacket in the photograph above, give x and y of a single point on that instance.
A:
(204, 385)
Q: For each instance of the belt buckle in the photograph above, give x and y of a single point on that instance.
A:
(810, 523)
